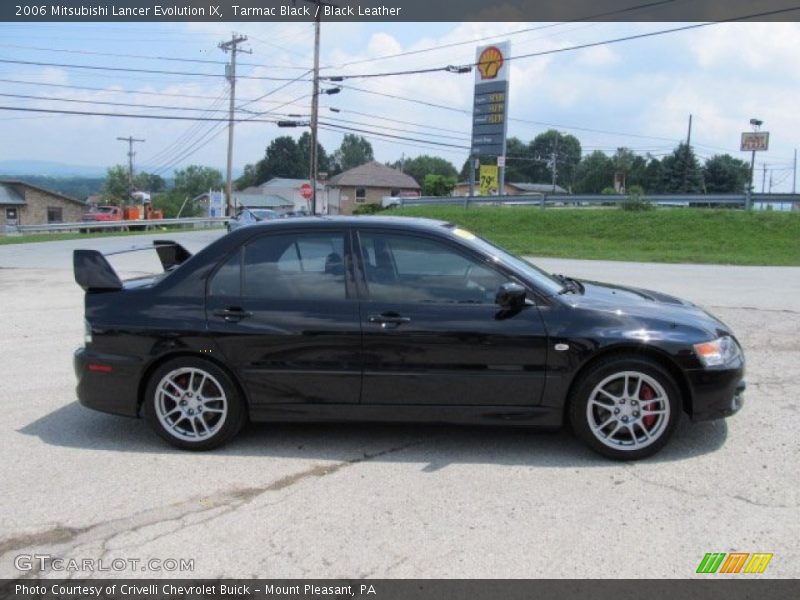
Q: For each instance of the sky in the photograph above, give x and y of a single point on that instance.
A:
(637, 94)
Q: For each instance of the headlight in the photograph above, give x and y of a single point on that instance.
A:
(87, 332)
(721, 351)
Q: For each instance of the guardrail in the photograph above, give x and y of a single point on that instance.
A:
(194, 222)
(543, 200)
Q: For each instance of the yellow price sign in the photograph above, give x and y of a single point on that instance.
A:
(488, 180)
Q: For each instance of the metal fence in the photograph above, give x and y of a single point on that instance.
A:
(545, 200)
(142, 224)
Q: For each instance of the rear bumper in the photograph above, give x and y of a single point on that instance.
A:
(716, 393)
(108, 383)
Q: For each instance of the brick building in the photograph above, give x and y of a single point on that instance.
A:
(32, 205)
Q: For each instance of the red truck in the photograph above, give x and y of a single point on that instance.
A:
(103, 213)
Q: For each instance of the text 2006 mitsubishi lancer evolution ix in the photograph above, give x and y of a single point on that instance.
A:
(393, 319)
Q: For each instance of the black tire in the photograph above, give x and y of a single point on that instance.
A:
(220, 428)
(646, 430)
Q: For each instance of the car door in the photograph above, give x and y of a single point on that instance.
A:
(432, 333)
(283, 312)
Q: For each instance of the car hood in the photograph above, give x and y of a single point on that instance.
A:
(645, 305)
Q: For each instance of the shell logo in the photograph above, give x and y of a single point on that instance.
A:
(490, 62)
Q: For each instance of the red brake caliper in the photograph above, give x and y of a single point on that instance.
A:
(645, 394)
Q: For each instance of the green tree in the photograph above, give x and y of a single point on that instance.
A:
(521, 163)
(116, 188)
(438, 185)
(194, 180)
(681, 172)
(423, 165)
(650, 176)
(323, 160)
(248, 177)
(283, 158)
(354, 151)
(724, 174)
(148, 182)
(594, 173)
(565, 148)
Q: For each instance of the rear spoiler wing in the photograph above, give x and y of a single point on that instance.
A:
(94, 273)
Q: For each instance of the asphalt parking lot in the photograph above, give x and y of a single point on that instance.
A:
(391, 500)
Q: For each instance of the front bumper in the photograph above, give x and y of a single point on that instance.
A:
(107, 382)
(716, 393)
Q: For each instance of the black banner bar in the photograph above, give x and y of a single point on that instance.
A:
(712, 588)
(397, 10)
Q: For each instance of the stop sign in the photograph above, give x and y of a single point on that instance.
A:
(306, 191)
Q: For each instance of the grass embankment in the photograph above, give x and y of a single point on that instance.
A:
(55, 237)
(663, 235)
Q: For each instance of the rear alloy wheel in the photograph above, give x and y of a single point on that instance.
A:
(193, 404)
(625, 408)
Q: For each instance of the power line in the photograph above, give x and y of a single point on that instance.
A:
(383, 118)
(190, 132)
(618, 40)
(210, 136)
(438, 135)
(510, 33)
(134, 70)
(133, 116)
(113, 91)
(104, 102)
(144, 56)
(277, 89)
(517, 120)
(392, 136)
(395, 142)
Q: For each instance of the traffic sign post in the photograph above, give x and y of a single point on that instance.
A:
(306, 191)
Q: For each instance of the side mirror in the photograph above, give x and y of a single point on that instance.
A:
(510, 295)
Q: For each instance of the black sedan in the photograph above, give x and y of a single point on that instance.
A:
(393, 319)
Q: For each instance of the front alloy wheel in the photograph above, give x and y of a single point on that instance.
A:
(625, 409)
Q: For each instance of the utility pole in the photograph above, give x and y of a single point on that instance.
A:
(131, 141)
(794, 173)
(315, 111)
(555, 160)
(688, 153)
(764, 179)
(233, 47)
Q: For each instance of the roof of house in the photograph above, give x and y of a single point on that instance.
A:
(283, 183)
(8, 195)
(542, 188)
(261, 200)
(16, 182)
(531, 188)
(374, 174)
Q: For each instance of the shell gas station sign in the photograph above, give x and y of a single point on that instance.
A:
(490, 105)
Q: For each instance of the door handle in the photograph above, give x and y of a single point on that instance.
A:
(233, 314)
(389, 320)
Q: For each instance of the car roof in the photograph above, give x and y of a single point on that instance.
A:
(321, 222)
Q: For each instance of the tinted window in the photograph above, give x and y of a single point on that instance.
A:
(412, 269)
(295, 267)
(227, 281)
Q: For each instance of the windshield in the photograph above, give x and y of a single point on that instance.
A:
(542, 280)
(264, 214)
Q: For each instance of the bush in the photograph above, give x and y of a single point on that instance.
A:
(368, 209)
(636, 200)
